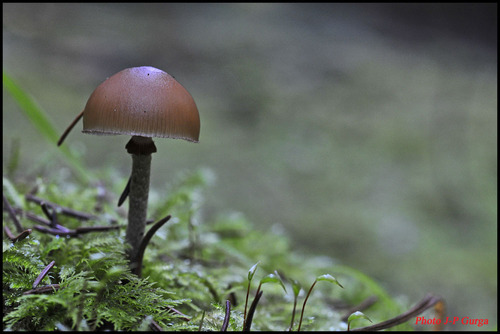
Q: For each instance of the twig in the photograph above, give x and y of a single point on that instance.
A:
(51, 215)
(68, 129)
(54, 231)
(66, 211)
(82, 229)
(428, 301)
(43, 289)
(32, 216)
(53, 222)
(77, 231)
(251, 311)
(173, 310)
(9, 233)
(12, 215)
(227, 317)
(43, 274)
(136, 265)
(18, 237)
(155, 327)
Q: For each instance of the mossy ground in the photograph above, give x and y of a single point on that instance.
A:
(191, 265)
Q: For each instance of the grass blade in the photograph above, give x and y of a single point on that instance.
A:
(40, 121)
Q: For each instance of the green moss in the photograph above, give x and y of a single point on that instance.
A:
(191, 267)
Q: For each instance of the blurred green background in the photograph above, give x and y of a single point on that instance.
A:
(366, 132)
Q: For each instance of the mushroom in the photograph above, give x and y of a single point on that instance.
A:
(142, 102)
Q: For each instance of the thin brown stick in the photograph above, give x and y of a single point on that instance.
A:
(225, 324)
(174, 311)
(77, 231)
(43, 274)
(8, 232)
(155, 327)
(38, 219)
(18, 237)
(54, 231)
(68, 129)
(427, 302)
(43, 289)
(137, 264)
(64, 210)
(32, 217)
(51, 214)
(12, 215)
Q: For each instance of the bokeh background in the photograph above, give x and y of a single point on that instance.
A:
(366, 132)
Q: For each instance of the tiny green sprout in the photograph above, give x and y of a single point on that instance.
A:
(271, 278)
(251, 272)
(296, 287)
(328, 278)
(354, 316)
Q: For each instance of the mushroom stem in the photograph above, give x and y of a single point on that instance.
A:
(141, 149)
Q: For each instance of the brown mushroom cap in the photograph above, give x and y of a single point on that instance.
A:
(142, 101)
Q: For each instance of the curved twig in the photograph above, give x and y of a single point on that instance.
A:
(155, 327)
(136, 265)
(60, 230)
(12, 215)
(68, 129)
(43, 289)
(65, 211)
(18, 237)
(227, 317)
(179, 313)
(43, 274)
(428, 301)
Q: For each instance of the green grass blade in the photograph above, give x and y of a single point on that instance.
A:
(40, 121)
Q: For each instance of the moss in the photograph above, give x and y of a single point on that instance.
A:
(191, 267)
